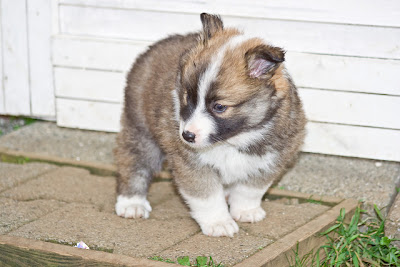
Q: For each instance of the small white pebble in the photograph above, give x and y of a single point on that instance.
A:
(78, 158)
(378, 164)
(82, 244)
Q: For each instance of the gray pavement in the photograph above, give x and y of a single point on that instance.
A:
(65, 205)
(371, 181)
(49, 139)
(68, 204)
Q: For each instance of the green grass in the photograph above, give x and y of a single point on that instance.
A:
(27, 121)
(309, 259)
(314, 201)
(14, 159)
(15, 121)
(348, 245)
(185, 261)
(158, 258)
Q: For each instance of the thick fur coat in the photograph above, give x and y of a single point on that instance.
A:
(221, 107)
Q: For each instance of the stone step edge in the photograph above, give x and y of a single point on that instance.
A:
(85, 254)
(307, 238)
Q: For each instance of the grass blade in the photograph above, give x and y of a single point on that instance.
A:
(378, 212)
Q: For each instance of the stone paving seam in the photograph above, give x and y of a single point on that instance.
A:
(37, 219)
(177, 243)
(247, 230)
(197, 233)
(29, 179)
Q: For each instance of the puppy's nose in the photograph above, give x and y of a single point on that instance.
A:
(188, 136)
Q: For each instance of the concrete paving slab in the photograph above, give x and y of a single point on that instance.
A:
(170, 209)
(139, 238)
(293, 216)
(281, 219)
(14, 214)
(225, 250)
(169, 232)
(15, 174)
(90, 214)
(367, 180)
(70, 185)
(49, 139)
(159, 192)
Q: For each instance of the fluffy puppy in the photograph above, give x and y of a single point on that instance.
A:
(221, 107)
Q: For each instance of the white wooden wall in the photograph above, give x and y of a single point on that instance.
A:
(343, 55)
(26, 78)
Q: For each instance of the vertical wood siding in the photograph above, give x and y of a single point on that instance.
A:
(2, 102)
(40, 65)
(15, 57)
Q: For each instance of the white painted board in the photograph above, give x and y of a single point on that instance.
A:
(313, 37)
(124, 24)
(2, 100)
(320, 105)
(351, 108)
(89, 84)
(40, 65)
(352, 141)
(91, 115)
(55, 20)
(96, 53)
(368, 75)
(15, 57)
(366, 12)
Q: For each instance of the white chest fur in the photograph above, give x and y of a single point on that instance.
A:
(234, 165)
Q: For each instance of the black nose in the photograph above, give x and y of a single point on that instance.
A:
(188, 136)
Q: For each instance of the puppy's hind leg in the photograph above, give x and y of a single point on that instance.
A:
(137, 157)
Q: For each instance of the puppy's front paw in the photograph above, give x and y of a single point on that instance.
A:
(220, 228)
(132, 207)
(251, 215)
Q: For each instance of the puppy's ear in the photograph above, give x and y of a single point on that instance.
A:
(263, 59)
(211, 25)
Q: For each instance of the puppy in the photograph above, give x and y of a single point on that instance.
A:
(221, 107)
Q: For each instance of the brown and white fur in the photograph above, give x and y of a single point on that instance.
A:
(221, 107)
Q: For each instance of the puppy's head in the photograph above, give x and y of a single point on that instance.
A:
(228, 86)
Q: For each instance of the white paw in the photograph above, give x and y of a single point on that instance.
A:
(252, 215)
(220, 228)
(132, 207)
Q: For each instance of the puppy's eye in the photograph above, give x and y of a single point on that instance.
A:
(218, 108)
